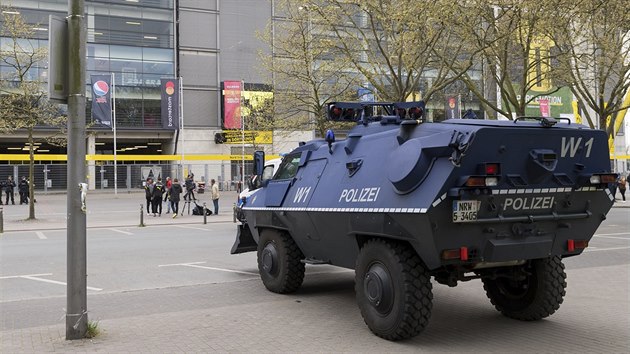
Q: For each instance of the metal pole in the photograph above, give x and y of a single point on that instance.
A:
(141, 216)
(1, 220)
(76, 315)
(242, 134)
(205, 221)
(113, 98)
(181, 124)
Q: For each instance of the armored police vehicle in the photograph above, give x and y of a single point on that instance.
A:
(402, 201)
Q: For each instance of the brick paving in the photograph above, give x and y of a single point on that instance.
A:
(322, 316)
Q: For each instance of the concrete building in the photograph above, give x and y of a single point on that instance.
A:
(140, 42)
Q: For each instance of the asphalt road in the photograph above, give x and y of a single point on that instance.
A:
(165, 276)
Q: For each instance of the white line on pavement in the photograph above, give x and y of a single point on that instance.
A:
(26, 275)
(613, 237)
(190, 227)
(36, 278)
(120, 231)
(606, 249)
(55, 282)
(41, 235)
(197, 265)
(613, 234)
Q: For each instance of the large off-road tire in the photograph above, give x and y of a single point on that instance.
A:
(537, 296)
(279, 262)
(393, 290)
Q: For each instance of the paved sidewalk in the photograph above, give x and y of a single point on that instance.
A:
(104, 209)
(108, 210)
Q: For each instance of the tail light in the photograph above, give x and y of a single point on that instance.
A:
(492, 168)
(572, 245)
(456, 253)
(481, 181)
(603, 178)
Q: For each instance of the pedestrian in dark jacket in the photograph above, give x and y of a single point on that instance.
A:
(189, 183)
(23, 190)
(156, 199)
(148, 194)
(176, 191)
(9, 189)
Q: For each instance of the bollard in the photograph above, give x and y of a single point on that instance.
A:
(204, 213)
(141, 216)
(1, 220)
(234, 212)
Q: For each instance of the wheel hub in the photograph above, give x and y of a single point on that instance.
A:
(377, 287)
(270, 258)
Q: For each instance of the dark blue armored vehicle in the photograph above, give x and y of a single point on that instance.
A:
(401, 201)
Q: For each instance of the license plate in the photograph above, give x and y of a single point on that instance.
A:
(465, 210)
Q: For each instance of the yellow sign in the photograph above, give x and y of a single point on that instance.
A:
(251, 137)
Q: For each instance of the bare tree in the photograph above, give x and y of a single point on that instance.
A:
(508, 39)
(307, 71)
(593, 40)
(397, 46)
(23, 100)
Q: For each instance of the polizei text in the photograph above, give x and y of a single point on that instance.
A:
(528, 203)
(359, 195)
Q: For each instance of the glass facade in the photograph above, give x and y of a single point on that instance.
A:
(132, 39)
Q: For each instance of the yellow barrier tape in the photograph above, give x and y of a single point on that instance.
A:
(59, 157)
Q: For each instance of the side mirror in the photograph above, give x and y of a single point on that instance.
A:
(259, 163)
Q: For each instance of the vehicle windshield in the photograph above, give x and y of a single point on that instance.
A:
(288, 167)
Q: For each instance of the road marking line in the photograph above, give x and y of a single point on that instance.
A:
(190, 227)
(197, 265)
(36, 278)
(120, 231)
(55, 282)
(607, 249)
(613, 237)
(41, 235)
(614, 234)
(27, 275)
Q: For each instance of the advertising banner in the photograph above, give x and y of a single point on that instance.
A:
(170, 103)
(232, 104)
(451, 108)
(251, 137)
(544, 108)
(101, 99)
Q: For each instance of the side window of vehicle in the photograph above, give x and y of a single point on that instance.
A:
(288, 168)
(267, 173)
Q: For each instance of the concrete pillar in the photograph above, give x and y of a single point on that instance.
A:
(91, 150)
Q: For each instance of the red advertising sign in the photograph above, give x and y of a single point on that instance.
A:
(232, 104)
(544, 108)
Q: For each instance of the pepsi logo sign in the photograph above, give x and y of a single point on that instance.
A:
(169, 88)
(101, 88)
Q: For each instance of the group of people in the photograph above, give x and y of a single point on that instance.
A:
(156, 193)
(8, 187)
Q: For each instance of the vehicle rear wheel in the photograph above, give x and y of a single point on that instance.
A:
(279, 262)
(537, 294)
(393, 290)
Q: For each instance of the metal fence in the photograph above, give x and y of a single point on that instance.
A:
(53, 177)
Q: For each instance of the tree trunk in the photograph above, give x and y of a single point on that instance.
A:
(31, 176)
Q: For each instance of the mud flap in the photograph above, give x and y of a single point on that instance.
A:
(244, 241)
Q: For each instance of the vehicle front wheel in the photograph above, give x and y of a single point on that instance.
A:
(535, 290)
(393, 290)
(280, 262)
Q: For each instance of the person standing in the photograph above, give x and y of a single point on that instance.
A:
(23, 190)
(175, 192)
(622, 187)
(9, 189)
(215, 195)
(189, 183)
(156, 200)
(148, 194)
(167, 194)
